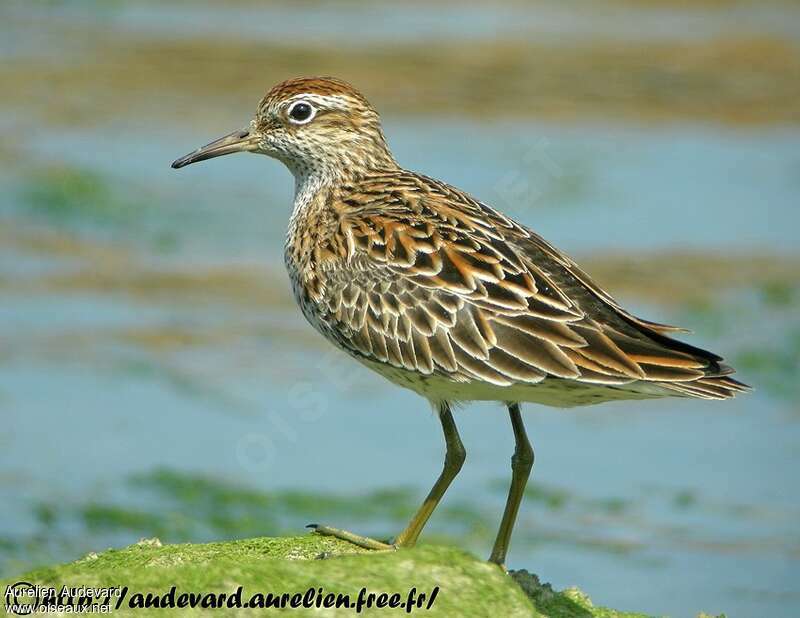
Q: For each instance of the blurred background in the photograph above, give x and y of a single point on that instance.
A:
(156, 378)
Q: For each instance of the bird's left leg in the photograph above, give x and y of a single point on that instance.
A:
(454, 459)
(521, 464)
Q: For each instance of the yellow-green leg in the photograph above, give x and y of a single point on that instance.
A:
(521, 464)
(453, 460)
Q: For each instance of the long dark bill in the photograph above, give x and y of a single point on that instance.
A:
(238, 141)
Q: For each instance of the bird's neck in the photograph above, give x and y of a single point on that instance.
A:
(312, 185)
(309, 187)
(314, 181)
(309, 183)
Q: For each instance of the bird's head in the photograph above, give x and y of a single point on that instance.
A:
(315, 125)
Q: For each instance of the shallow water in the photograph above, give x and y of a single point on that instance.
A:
(390, 23)
(146, 325)
(736, 189)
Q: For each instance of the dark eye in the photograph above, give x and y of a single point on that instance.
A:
(301, 112)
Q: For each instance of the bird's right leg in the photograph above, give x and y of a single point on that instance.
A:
(521, 464)
(453, 460)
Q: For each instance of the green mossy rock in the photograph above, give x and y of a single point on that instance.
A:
(467, 586)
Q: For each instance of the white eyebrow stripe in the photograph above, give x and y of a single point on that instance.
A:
(331, 101)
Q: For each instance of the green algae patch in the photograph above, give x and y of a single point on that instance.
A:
(466, 586)
(61, 193)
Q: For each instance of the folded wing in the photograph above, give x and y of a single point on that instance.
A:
(438, 283)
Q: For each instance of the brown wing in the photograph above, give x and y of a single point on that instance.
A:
(436, 282)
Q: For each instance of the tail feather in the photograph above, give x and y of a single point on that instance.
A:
(713, 387)
(682, 368)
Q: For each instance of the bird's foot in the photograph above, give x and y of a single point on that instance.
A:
(350, 537)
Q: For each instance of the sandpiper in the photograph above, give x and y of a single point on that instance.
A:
(442, 294)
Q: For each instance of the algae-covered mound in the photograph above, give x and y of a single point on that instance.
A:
(447, 582)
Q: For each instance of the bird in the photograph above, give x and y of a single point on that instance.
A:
(444, 295)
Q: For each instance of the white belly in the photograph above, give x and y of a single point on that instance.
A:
(556, 392)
